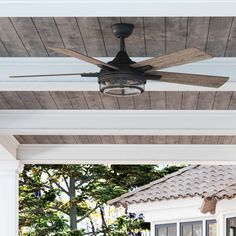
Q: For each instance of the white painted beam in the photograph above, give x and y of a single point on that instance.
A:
(127, 154)
(117, 122)
(21, 66)
(8, 148)
(117, 8)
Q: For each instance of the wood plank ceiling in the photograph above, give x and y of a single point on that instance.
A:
(95, 100)
(153, 36)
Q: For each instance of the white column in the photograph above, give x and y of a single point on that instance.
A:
(9, 173)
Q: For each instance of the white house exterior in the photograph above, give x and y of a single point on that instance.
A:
(194, 201)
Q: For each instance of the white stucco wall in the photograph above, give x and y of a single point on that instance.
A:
(184, 210)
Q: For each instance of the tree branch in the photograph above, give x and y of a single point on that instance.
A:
(88, 213)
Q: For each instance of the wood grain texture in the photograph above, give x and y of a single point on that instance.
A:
(10, 39)
(92, 36)
(189, 79)
(153, 36)
(197, 32)
(133, 139)
(174, 59)
(154, 30)
(70, 33)
(157, 100)
(48, 31)
(176, 34)
(231, 45)
(218, 35)
(29, 36)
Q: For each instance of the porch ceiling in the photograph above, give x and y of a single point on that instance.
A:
(153, 36)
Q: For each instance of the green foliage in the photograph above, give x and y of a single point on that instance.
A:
(53, 199)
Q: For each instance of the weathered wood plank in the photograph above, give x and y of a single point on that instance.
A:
(68, 139)
(10, 39)
(3, 50)
(222, 100)
(126, 103)
(198, 139)
(42, 139)
(112, 44)
(3, 103)
(218, 36)
(94, 139)
(55, 139)
(27, 139)
(157, 100)
(109, 102)
(13, 100)
(81, 139)
(133, 139)
(29, 100)
(135, 44)
(142, 101)
(211, 139)
(186, 139)
(205, 100)
(231, 44)
(189, 101)
(49, 33)
(77, 100)
(176, 32)
(92, 36)
(93, 100)
(107, 139)
(172, 139)
(29, 36)
(45, 100)
(147, 139)
(197, 32)
(118, 139)
(154, 29)
(70, 33)
(232, 105)
(159, 139)
(173, 100)
(225, 139)
(61, 99)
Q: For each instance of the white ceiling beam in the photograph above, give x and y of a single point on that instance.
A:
(117, 122)
(30, 8)
(8, 148)
(126, 154)
(24, 66)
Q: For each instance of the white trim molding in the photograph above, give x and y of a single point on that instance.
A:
(126, 154)
(117, 122)
(8, 148)
(22, 66)
(49, 8)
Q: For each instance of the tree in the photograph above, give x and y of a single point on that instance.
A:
(58, 198)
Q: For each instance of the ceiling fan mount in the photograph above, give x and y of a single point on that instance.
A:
(124, 77)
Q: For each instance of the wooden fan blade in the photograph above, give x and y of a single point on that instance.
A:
(83, 57)
(55, 75)
(188, 79)
(174, 59)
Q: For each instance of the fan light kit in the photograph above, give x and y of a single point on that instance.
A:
(124, 77)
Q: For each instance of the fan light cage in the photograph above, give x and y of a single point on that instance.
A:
(122, 87)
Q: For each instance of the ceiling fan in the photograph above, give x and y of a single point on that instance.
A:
(124, 77)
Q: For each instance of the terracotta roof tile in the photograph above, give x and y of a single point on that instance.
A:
(218, 181)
